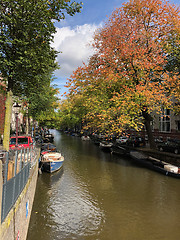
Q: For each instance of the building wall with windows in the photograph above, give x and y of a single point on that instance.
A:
(167, 125)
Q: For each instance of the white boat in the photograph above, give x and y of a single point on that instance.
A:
(106, 146)
(51, 161)
(85, 138)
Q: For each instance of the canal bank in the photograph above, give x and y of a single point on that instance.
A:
(168, 157)
(17, 193)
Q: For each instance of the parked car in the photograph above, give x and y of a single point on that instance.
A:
(136, 141)
(122, 140)
(170, 146)
(23, 141)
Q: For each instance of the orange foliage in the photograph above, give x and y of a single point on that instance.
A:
(126, 75)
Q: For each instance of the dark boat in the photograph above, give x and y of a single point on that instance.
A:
(48, 146)
(97, 138)
(155, 164)
(48, 138)
(120, 149)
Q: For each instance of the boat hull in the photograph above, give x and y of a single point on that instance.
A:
(154, 164)
(105, 146)
(120, 150)
(51, 167)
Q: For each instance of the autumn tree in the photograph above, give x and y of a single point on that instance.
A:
(173, 65)
(26, 33)
(126, 80)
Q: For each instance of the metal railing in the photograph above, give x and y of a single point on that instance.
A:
(16, 171)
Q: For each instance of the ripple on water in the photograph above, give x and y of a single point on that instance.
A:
(73, 210)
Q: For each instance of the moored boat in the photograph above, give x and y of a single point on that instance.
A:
(106, 146)
(155, 164)
(85, 138)
(48, 138)
(120, 149)
(48, 147)
(51, 161)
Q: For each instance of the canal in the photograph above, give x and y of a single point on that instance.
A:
(99, 196)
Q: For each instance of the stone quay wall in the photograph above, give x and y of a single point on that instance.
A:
(15, 226)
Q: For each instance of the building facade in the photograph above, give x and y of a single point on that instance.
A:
(167, 125)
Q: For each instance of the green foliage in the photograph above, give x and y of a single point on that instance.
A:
(26, 31)
(69, 115)
(42, 106)
(46, 100)
(173, 50)
(173, 65)
(27, 59)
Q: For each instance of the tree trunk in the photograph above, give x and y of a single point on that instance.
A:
(7, 122)
(147, 120)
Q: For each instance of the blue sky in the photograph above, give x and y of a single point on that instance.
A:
(74, 35)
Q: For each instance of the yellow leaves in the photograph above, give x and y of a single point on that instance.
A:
(126, 75)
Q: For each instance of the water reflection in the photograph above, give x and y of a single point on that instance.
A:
(103, 197)
(79, 212)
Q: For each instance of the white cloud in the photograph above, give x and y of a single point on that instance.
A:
(75, 47)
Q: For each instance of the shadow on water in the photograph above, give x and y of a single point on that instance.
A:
(53, 178)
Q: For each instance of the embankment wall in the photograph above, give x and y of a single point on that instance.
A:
(15, 226)
(163, 156)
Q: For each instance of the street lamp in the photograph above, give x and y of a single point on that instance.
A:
(27, 121)
(16, 110)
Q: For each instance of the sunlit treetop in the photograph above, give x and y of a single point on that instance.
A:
(127, 79)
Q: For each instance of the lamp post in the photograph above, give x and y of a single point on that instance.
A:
(16, 110)
(27, 121)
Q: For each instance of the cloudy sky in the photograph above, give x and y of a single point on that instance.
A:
(74, 35)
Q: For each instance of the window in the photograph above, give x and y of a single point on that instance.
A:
(13, 141)
(178, 125)
(22, 140)
(164, 121)
(152, 125)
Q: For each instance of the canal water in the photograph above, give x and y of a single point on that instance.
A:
(99, 196)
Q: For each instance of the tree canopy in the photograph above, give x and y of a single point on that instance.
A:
(127, 79)
(26, 32)
(27, 59)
